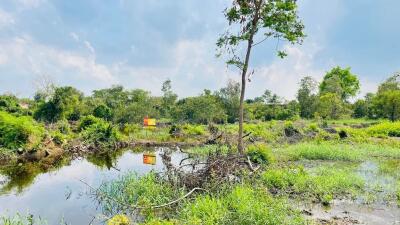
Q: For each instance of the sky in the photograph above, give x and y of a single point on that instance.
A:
(95, 44)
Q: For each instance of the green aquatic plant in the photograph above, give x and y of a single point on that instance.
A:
(134, 190)
(19, 219)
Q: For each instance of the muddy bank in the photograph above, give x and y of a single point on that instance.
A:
(348, 212)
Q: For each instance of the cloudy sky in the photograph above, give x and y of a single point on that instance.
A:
(92, 44)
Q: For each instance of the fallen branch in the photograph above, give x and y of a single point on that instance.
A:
(251, 165)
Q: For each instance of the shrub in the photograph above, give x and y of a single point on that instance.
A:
(193, 129)
(87, 121)
(128, 128)
(63, 127)
(260, 153)
(19, 132)
(59, 138)
(103, 112)
(385, 129)
(119, 220)
(101, 134)
(313, 127)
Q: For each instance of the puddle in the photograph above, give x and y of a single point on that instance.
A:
(59, 195)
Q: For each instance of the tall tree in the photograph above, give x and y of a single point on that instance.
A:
(276, 19)
(168, 98)
(387, 100)
(229, 96)
(306, 96)
(341, 82)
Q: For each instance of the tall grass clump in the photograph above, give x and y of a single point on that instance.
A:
(134, 190)
(242, 205)
(324, 184)
(260, 153)
(19, 132)
(326, 151)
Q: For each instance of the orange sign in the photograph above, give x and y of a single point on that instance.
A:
(149, 158)
(149, 122)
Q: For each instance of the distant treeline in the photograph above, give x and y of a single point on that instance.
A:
(327, 100)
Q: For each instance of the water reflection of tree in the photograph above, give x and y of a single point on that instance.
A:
(108, 159)
(21, 175)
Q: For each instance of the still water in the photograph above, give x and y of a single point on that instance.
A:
(59, 195)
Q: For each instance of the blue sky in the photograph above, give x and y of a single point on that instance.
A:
(94, 44)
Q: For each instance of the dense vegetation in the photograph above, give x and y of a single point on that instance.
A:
(68, 114)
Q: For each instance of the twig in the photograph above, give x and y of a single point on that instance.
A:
(246, 135)
(251, 165)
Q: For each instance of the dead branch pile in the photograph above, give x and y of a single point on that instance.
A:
(215, 170)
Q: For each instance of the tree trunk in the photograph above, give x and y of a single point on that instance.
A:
(242, 92)
(244, 73)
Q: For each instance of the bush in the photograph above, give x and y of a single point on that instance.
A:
(193, 129)
(101, 134)
(63, 127)
(119, 220)
(103, 112)
(391, 129)
(19, 132)
(87, 121)
(260, 153)
(128, 129)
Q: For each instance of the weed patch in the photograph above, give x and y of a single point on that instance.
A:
(322, 184)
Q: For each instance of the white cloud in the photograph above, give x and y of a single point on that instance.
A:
(89, 47)
(31, 3)
(74, 36)
(192, 67)
(282, 76)
(29, 57)
(6, 19)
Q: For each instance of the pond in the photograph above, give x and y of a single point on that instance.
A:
(59, 194)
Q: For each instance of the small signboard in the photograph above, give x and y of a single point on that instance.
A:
(149, 158)
(148, 122)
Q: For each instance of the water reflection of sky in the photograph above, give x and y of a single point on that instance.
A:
(60, 194)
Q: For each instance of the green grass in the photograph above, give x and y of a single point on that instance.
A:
(391, 167)
(322, 183)
(313, 151)
(131, 189)
(335, 151)
(205, 150)
(241, 205)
